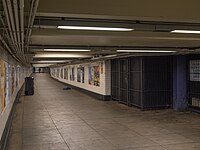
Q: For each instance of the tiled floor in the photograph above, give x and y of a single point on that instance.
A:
(54, 119)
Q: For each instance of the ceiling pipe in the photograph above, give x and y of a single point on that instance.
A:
(8, 22)
(31, 23)
(8, 35)
(15, 3)
(13, 30)
(12, 21)
(13, 25)
(28, 27)
(9, 50)
(30, 14)
(21, 7)
(18, 31)
(7, 47)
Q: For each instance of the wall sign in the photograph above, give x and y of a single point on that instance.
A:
(194, 70)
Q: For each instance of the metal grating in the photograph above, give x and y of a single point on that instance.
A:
(145, 82)
(194, 82)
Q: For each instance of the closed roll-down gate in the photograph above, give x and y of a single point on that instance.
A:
(145, 82)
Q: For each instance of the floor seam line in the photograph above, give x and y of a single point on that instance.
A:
(96, 131)
(57, 129)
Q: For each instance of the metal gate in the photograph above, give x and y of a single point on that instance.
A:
(115, 80)
(144, 82)
(135, 81)
(123, 64)
(194, 81)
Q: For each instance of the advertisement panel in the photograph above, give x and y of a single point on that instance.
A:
(72, 77)
(80, 74)
(61, 73)
(94, 75)
(1, 101)
(13, 78)
(3, 104)
(66, 73)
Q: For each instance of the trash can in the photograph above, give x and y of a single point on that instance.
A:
(29, 86)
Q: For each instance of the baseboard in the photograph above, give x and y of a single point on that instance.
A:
(6, 132)
(90, 93)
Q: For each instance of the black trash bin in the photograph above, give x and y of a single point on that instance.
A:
(29, 86)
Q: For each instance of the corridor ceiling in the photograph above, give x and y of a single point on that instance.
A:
(27, 32)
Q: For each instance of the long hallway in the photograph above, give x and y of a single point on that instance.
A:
(57, 119)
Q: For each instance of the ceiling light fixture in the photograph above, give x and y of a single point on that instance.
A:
(145, 51)
(60, 55)
(42, 65)
(94, 28)
(51, 61)
(186, 31)
(109, 56)
(67, 50)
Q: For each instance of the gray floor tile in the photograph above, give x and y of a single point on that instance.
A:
(53, 119)
(46, 146)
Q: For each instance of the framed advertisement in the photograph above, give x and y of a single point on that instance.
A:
(101, 64)
(80, 74)
(13, 79)
(1, 101)
(61, 73)
(2, 85)
(57, 73)
(66, 73)
(94, 75)
(7, 77)
(72, 77)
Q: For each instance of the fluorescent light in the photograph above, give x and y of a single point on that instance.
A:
(145, 51)
(60, 55)
(94, 28)
(186, 31)
(51, 61)
(42, 65)
(67, 50)
(108, 56)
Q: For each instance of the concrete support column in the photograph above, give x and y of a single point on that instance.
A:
(179, 83)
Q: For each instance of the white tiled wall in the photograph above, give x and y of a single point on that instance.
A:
(105, 78)
(27, 71)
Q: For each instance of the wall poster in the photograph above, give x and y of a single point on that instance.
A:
(53, 72)
(66, 73)
(3, 104)
(57, 73)
(7, 77)
(1, 100)
(13, 78)
(72, 77)
(94, 75)
(61, 73)
(80, 74)
(21, 75)
(101, 67)
(17, 76)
